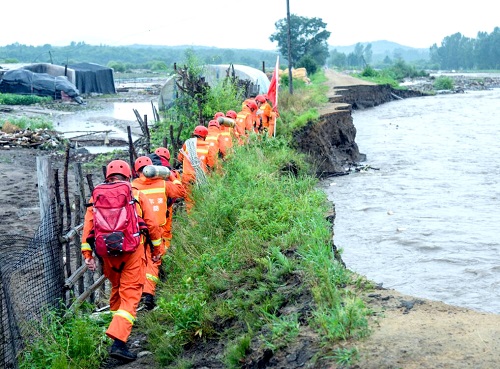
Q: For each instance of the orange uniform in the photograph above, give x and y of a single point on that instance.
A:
(158, 192)
(207, 160)
(246, 121)
(125, 272)
(207, 157)
(228, 133)
(226, 136)
(215, 139)
(266, 114)
(175, 178)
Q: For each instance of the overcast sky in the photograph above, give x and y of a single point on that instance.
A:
(238, 24)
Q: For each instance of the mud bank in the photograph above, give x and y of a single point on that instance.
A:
(330, 141)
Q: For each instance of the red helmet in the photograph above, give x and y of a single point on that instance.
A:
(118, 167)
(141, 162)
(231, 114)
(260, 98)
(200, 131)
(252, 105)
(218, 114)
(214, 123)
(163, 152)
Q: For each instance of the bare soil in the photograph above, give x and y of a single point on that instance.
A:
(407, 332)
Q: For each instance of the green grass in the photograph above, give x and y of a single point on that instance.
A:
(15, 99)
(346, 356)
(25, 123)
(228, 259)
(76, 341)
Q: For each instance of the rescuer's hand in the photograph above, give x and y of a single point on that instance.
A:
(91, 264)
(158, 252)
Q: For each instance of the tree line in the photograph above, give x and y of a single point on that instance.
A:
(460, 52)
(308, 49)
(456, 52)
(134, 56)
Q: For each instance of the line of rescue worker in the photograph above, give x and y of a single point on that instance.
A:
(134, 276)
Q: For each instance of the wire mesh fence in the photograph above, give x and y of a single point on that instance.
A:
(31, 279)
(43, 272)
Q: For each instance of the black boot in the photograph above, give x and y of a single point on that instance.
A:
(120, 352)
(149, 301)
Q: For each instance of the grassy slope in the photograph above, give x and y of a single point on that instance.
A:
(252, 269)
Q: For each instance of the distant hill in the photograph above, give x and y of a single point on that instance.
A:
(384, 48)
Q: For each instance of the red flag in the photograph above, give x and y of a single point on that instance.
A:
(272, 92)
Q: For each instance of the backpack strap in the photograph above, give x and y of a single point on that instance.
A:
(120, 269)
(143, 228)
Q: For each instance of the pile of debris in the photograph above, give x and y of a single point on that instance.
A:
(461, 83)
(41, 138)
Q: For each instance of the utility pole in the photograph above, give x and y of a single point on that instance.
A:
(290, 78)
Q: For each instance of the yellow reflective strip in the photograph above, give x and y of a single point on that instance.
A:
(157, 242)
(152, 278)
(176, 182)
(153, 190)
(125, 315)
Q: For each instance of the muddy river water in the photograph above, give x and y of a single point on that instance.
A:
(427, 222)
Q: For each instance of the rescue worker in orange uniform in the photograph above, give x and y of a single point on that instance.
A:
(158, 191)
(126, 272)
(198, 160)
(215, 139)
(164, 155)
(265, 114)
(246, 121)
(218, 115)
(227, 134)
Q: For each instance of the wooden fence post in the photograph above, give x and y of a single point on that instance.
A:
(45, 184)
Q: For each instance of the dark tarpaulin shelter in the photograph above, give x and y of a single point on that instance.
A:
(26, 82)
(90, 77)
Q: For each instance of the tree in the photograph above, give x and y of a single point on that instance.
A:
(309, 63)
(308, 36)
(337, 59)
(368, 53)
(487, 50)
(455, 52)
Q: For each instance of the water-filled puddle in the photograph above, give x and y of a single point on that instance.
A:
(106, 124)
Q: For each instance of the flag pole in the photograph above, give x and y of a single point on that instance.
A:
(272, 91)
(275, 107)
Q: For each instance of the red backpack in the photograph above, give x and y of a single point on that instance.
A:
(117, 226)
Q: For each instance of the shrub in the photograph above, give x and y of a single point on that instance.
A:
(14, 99)
(309, 63)
(443, 83)
(369, 72)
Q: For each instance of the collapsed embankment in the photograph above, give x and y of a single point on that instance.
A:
(330, 141)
